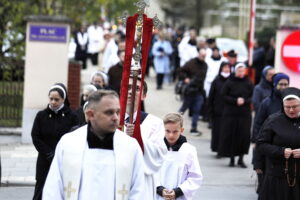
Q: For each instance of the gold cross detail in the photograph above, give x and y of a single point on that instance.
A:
(69, 190)
(123, 192)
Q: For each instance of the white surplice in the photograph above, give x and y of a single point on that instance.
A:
(95, 36)
(181, 169)
(109, 55)
(78, 172)
(155, 150)
(213, 68)
(186, 51)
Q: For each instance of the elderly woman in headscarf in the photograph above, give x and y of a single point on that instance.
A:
(279, 141)
(264, 88)
(100, 80)
(49, 126)
(236, 118)
(87, 90)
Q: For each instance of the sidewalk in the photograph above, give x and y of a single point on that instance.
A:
(18, 164)
(220, 181)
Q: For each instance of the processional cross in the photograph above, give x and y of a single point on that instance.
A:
(138, 40)
(69, 190)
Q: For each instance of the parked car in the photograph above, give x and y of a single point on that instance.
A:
(227, 44)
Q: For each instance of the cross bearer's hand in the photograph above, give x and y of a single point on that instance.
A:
(129, 129)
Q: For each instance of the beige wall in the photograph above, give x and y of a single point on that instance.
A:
(46, 63)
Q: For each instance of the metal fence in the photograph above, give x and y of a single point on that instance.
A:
(11, 94)
(11, 103)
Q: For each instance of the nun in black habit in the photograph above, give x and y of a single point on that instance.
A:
(49, 126)
(236, 118)
(216, 104)
(279, 141)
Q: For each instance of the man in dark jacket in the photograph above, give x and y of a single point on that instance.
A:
(115, 73)
(193, 73)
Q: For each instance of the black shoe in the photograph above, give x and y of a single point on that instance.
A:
(231, 163)
(218, 156)
(195, 132)
(242, 164)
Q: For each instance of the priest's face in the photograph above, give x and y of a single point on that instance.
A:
(173, 132)
(138, 91)
(292, 108)
(104, 116)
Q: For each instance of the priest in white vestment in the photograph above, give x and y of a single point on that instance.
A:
(110, 53)
(97, 161)
(152, 131)
(187, 48)
(95, 37)
(213, 67)
(180, 176)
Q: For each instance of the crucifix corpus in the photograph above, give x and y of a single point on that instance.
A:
(138, 40)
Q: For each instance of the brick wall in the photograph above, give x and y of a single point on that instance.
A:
(74, 84)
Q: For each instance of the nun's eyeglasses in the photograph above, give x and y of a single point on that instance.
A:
(283, 84)
(291, 107)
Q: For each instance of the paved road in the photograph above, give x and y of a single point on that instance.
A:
(220, 181)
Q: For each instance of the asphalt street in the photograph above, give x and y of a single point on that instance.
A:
(220, 181)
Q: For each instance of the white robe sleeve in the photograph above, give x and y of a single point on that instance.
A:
(155, 150)
(53, 188)
(194, 177)
(138, 178)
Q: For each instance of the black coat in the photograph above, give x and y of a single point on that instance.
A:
(236, 120)
(195, 70)
(80, 52)
(48, 128)
(115, 77)
(260, 92)
(215, 108)
(269, 106)
(279, 132)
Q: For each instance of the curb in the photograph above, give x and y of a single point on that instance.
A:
(11, 131)
(10, 183)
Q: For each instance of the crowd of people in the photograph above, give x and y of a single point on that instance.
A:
(213, 86)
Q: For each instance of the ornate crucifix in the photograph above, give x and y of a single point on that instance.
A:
(138, 39)
(135, 69)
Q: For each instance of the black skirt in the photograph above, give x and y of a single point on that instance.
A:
(277, 188)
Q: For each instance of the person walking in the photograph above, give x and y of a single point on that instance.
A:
(193, 73)
(264, 88)
(161, 51)
(269, 106)
(216, 104)
(279, 141)
(236, 118)
(49, 126)
(81, 40)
